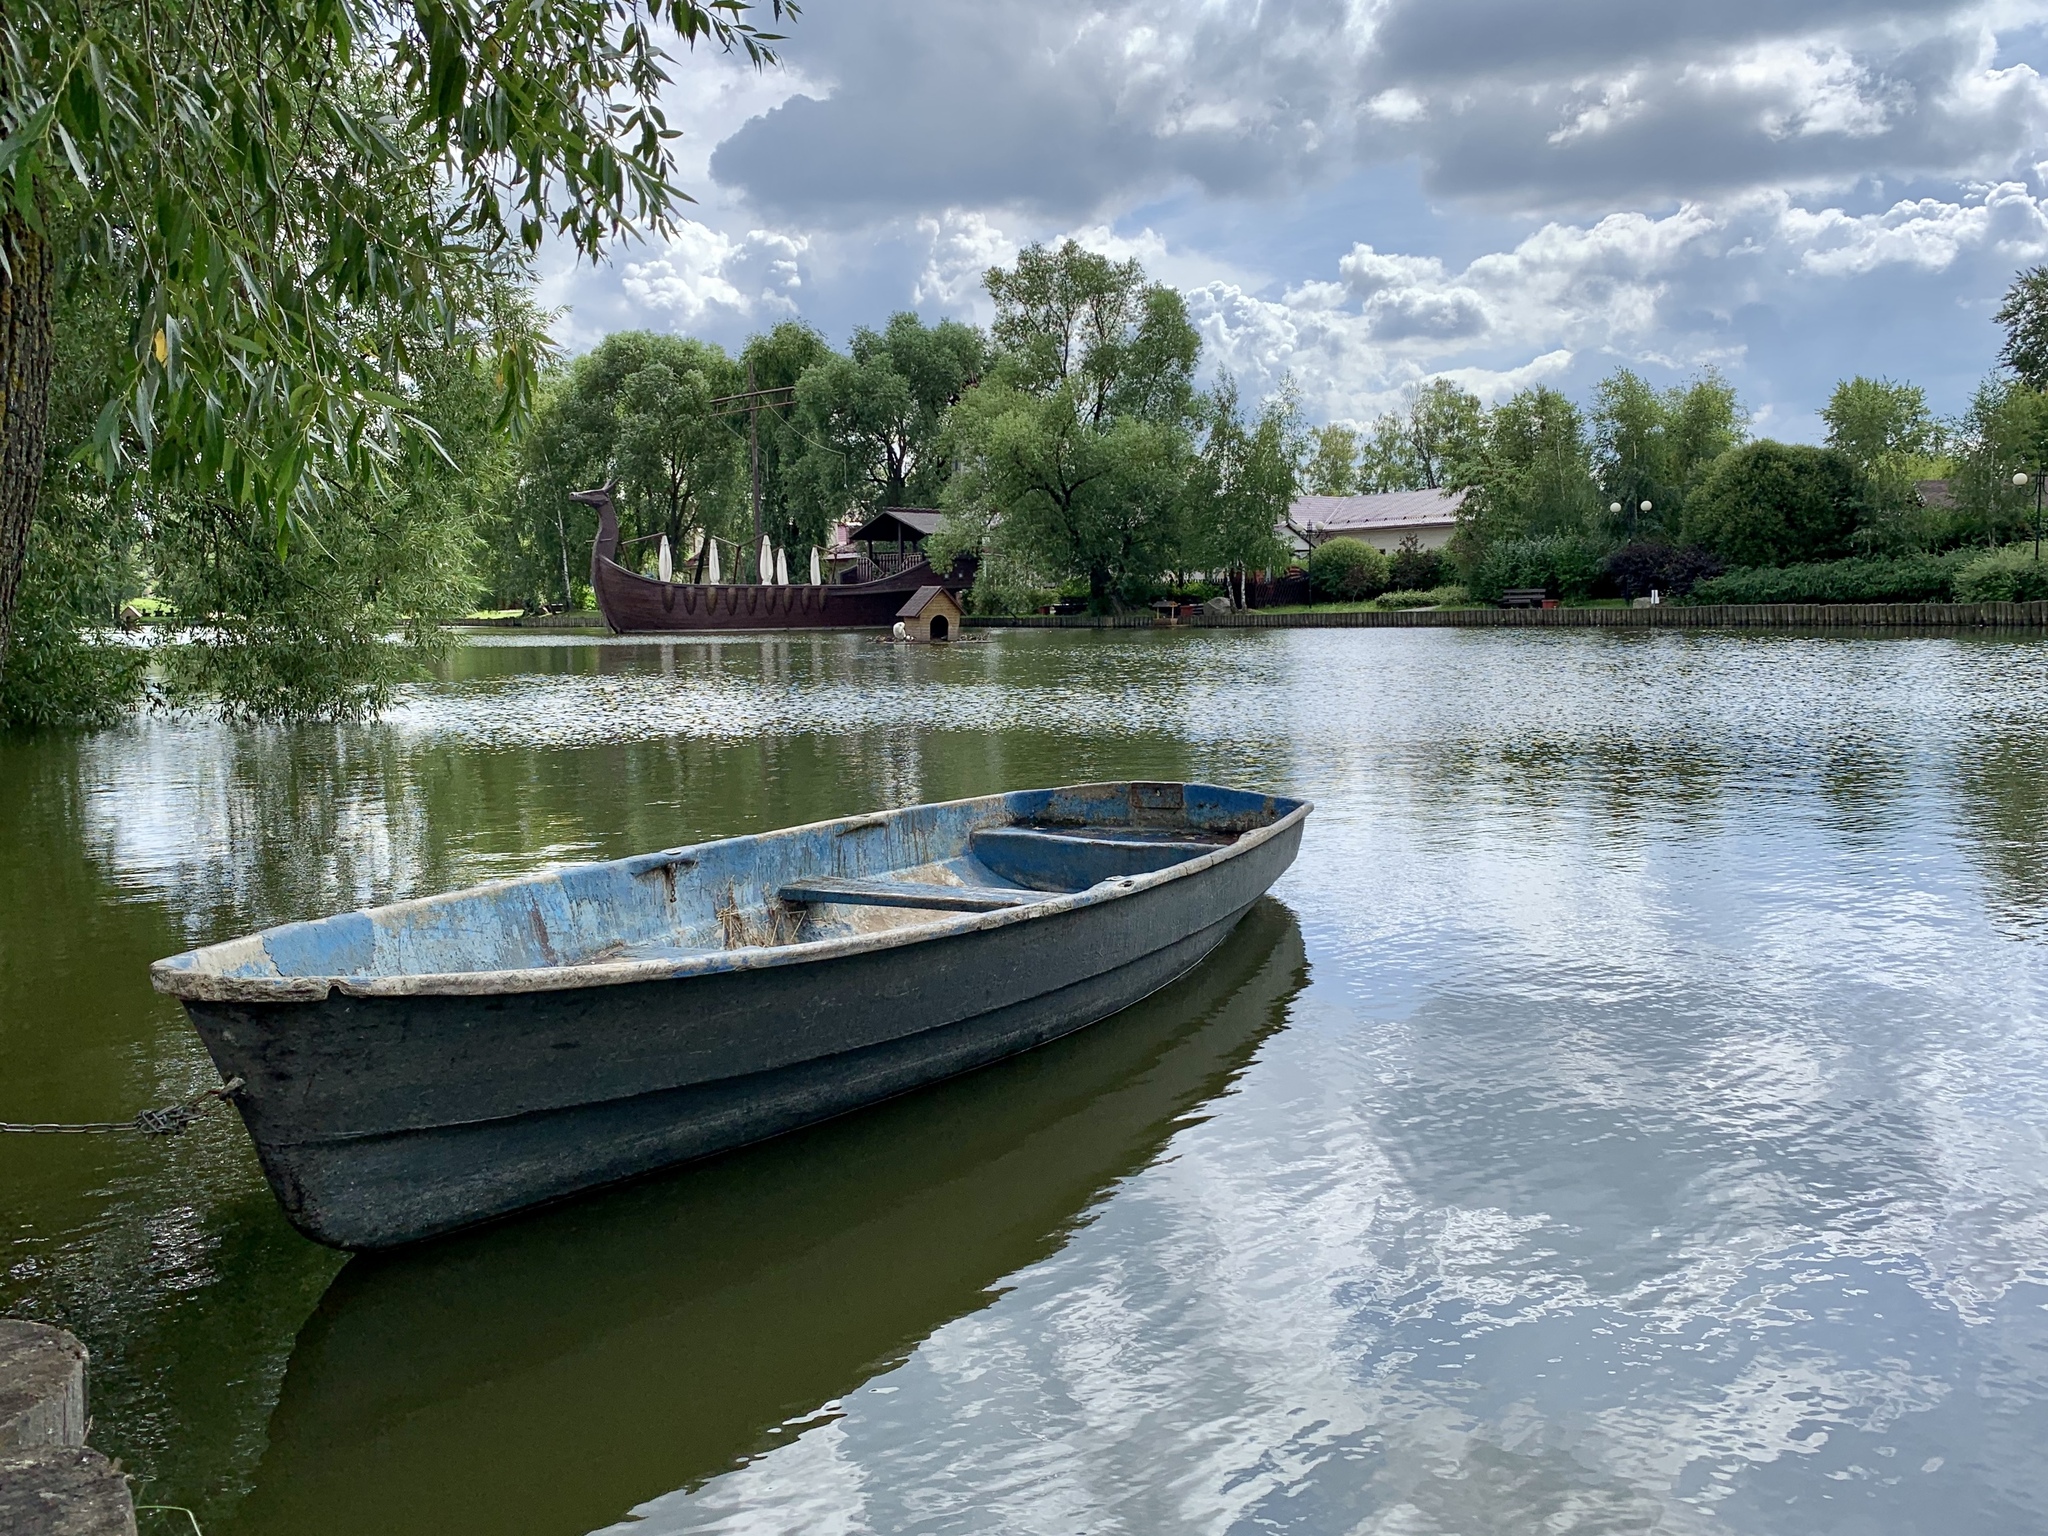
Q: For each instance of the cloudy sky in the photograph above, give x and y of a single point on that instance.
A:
(1364, 195)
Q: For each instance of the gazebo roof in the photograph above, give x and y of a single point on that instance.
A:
(912, 524)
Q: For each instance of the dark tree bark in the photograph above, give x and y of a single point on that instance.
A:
(27, 343)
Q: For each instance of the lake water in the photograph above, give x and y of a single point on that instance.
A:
(1630, 1114)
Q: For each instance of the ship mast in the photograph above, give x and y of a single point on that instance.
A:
(752, 400)
(754, 462)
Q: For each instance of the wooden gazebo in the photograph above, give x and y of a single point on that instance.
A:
(905, 527)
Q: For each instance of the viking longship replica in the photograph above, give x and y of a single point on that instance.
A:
(869, 592)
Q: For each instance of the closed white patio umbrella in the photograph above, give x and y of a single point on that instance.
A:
(664, 562)
(765, 571)
(817, 571)
(782, 567)
(711, 570)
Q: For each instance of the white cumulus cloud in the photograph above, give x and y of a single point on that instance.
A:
(1652, 290)
(964, 244)
(1783, 187)
(758, 274)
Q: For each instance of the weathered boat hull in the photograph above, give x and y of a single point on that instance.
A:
(380, 1190)
(383, 1119)
(636, 604)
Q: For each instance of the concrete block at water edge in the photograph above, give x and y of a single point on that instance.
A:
(67, 1491)
(42, 1387)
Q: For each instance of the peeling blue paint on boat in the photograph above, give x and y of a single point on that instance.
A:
(432, 1063)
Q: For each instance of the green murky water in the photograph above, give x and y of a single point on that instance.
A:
(1627, 1116)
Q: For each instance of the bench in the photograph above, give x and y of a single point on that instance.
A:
(1523, 597)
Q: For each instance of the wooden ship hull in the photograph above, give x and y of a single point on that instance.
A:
(634, 604)
(411, 1069)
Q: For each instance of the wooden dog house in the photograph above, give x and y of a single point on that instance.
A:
(932, 613)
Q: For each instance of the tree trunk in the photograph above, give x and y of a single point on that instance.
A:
(27, 340)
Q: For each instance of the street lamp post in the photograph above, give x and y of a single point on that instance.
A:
(1614, 510)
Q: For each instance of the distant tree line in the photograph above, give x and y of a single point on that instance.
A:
(1068, 445)
(835, 435)
(1663, 489)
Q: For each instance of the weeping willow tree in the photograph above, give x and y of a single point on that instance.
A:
(305, 201)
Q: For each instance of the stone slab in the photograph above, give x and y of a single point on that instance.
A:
(64, 1492)
(42, 1388)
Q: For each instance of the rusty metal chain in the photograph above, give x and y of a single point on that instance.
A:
(169, 1120)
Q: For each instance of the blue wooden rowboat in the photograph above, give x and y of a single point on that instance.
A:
(419, 1067)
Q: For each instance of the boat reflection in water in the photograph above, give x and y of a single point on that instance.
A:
(547, 1375)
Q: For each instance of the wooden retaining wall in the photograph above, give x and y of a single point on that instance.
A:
(1943, 616)
(1073, 621)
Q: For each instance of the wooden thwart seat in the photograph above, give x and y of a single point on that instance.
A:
(1173, 840)
(1072, 859)
(1047, 860)
(904, 893)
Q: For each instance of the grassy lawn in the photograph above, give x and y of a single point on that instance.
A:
(1364, 607)
(495, 613)
(1371, 606)
(1457, 600)
(1449, 595)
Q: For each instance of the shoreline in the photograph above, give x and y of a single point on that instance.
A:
(1786, 616)
(1934, 616)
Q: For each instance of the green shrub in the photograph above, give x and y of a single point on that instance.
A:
(1563, 564)
(64, 666)
(1643, 566)
(1411, 568)
(58, 675)
(1905, 579)
(1345, 570)
(1001, 585)
(1775, 504)
(1433, 597)
(2009, 575)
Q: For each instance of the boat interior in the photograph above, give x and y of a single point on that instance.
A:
(919, 866)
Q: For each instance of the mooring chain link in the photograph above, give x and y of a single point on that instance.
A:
(170, 1120)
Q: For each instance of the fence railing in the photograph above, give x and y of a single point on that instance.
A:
(864, 569)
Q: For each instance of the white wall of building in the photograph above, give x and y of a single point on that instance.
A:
(1389, 539)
